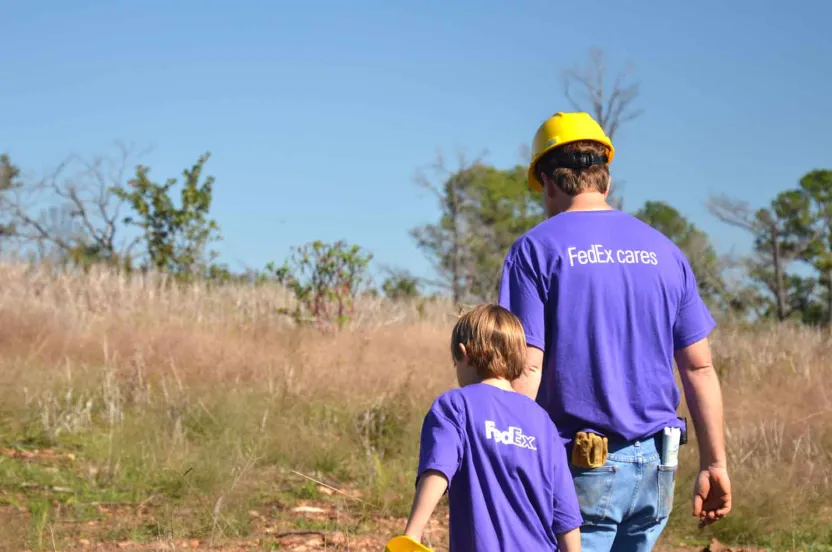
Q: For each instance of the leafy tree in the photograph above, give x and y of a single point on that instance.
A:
(484, 210)
(808, 211)
(400, 286)
(175, 238)
(502, 208)
(804, 302)
(693, 242)
(448, 242)
(9, 180)
(778, 242)
(325, 278)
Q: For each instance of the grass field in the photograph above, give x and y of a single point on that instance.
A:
(137, 417)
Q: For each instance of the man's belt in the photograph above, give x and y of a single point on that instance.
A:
(590, 450)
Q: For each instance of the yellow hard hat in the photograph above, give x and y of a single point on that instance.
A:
(405, 544)
(563, 128)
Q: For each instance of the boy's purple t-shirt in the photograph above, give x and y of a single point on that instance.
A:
(509, 482)
(609, 299)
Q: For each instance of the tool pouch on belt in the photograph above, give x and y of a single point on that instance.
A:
(589, 450)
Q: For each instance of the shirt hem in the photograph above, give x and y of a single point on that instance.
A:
(693, 338)
(444, 470)
(535, 342)
(566, 527)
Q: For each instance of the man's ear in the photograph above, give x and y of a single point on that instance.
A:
(549, 187)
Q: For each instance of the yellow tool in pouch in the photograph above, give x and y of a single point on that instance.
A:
(589, 450)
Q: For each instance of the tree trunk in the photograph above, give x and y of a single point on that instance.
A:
(456, 268)
(829, 298)
(777, 261)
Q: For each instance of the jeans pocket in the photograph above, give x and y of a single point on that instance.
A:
(667, 483)
(594, 488)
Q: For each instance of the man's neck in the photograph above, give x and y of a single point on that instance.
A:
(590, 201)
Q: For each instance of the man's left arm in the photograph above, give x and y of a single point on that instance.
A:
(519, 293)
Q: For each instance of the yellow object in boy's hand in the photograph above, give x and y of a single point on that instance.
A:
(405, 544)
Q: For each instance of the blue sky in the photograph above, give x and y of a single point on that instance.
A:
(318, 113)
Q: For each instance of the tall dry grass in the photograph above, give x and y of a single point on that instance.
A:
(202, 400)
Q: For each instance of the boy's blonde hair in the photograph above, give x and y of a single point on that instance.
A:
(494, 341)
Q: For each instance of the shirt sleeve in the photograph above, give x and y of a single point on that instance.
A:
(441, 441)
(693, 320)
(520, 293)
(567, 510)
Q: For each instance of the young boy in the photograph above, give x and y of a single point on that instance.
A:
(496, 452)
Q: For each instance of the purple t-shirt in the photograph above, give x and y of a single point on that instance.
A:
(509, 482)
(608, 299)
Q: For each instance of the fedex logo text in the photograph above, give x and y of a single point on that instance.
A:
(598, 254)
(512, 436)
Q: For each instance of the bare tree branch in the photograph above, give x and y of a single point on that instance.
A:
(441, 172)
(586, 90)
(733, 212)
(72, 208)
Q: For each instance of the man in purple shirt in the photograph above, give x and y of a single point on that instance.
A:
(607, 303)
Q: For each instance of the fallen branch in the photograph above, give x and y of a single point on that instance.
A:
(339, 491)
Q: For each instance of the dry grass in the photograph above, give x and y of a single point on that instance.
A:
(191, 406)
(778, 406)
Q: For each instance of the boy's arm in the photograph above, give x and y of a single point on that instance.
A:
(570, 541)
(567, 509)
(429, 491)
(440, 452)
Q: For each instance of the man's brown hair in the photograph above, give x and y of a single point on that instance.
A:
(574, 181)
(494, 341)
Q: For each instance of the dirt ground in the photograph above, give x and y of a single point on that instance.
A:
(327, 523)
(267, 534)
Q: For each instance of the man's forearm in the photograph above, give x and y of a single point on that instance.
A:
(704, 398)
(529, 383)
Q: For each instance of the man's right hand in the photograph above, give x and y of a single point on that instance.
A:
(711, 496)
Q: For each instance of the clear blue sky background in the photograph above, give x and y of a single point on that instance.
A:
(317, 113)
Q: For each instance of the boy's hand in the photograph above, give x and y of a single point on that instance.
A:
(711, 496)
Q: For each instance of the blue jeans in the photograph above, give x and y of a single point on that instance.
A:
(625, 503)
